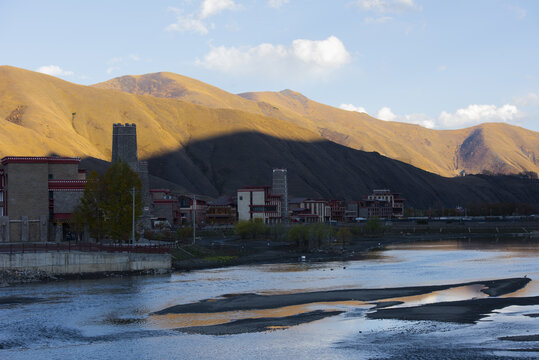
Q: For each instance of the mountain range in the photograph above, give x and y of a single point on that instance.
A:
(203, 139)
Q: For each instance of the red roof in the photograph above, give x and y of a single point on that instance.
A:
(67, 184)
(40, 160)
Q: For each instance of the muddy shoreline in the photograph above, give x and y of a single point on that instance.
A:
(243, 302)
(464, 312)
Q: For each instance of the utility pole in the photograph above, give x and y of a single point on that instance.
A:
(194, 217)
(133, 225)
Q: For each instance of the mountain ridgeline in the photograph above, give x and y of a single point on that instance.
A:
(201, 139)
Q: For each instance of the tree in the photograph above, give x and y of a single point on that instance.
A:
(242, 229)
(373, 225)
(117, 205)
(106, 206)
(89, 213)
(344, 235)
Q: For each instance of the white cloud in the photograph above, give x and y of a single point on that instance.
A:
(194, 22)
(54, 70)
(442, 68)
(312, 56)
(277, 3)
(187, 23)
(213, 7)
(386, 114)
(352, 107)
(327, 53)
(418, 119)
(527, 100)
(386, 6)
(476, 114)
(469, 116)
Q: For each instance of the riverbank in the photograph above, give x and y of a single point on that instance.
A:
(17, 277)
(17, 268)
(208, 254)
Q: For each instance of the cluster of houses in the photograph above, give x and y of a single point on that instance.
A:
(39, 194)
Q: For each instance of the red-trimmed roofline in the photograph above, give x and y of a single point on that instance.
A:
(165, 201)
(255, 187)
(66, 184)
(40, 160)
(62, 216)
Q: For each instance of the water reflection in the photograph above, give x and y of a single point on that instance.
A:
(174, 321)
(454, 294)
(109, 318)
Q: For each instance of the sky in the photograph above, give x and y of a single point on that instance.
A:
(439, 64)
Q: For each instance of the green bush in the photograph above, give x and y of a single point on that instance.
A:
(251, 229)
(374, 225)
(184, 233)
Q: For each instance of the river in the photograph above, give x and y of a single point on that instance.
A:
(112, 318)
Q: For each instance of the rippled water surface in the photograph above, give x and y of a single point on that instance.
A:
(111, 318)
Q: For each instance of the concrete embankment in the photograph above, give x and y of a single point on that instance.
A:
(65, 263)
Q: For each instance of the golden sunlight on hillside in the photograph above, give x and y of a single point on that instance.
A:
(493, 147)
(43, 114)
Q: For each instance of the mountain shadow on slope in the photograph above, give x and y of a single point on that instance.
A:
(323, 169)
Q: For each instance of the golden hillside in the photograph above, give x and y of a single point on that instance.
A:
(494, 147)
(38, 111)
(42, 114)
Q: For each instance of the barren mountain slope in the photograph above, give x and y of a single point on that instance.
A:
(213, 151)
(40, 114)
(495, 147)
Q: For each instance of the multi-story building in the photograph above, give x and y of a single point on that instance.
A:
(257, 202)
(383, 204)
(337, 210)
(192, 208)
(38, 196)
(221, 211)
(164, 208)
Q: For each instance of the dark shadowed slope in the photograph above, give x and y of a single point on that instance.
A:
(323, 169)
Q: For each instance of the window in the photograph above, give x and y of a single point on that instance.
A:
(241, 197)
(50, 176)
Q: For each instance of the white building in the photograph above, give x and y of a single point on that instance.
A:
(257, 202)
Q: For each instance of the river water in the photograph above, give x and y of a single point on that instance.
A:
(111, 318)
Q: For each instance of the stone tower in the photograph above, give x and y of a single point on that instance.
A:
(124, 144)
(124, 148)
(280, 187)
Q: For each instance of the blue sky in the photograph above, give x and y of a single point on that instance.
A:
(441, 64)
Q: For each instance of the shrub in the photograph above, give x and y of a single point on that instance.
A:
(373, 225)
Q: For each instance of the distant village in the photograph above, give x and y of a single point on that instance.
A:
(39, 194)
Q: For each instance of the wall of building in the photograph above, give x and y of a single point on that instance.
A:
(66, 201)
(244, 200)
(74, 262)
(27, 195)
(64, 171)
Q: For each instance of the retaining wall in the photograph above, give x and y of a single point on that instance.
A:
(75, 262)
